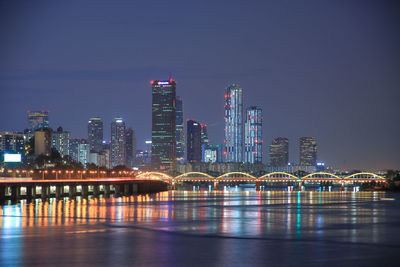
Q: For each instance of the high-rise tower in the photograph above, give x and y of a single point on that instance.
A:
(95, 135)
(233, 143)
(163, 130)
(308, 151)
(118, 142)
(180, 132)
(279, 152)
(194, 132)
(130, 147)
(253, 135)
(38, 120)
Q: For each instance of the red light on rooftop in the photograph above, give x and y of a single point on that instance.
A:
(151, 82)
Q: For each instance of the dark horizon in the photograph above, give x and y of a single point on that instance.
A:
(325, 69)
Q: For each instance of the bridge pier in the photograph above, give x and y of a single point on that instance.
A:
(107, 190)
(59, 191)
(15, 193)
(127, 189)
(342, 186)
(45, 191)
(72, 191)
(216, 185)
(258, 185)
(96, 190)
(85, 191)
(30, 191)
(2, 193)
(300, 185)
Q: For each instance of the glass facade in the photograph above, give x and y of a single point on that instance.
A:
(130, 147)
(308, 151)
(163, 130)
(279, 152)
(95, 135)
(60, 141)
(253, 135)
(118, 142)
(212, 153)
(233, 142)
(194, 137)
(38, 119)
(180, 131)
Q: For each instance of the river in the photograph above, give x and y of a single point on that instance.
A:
(186, 228)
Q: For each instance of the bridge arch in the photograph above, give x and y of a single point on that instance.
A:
(193, 173)
(280, 175)
(321, 175)
(154, 175)
(225, 175)
(365, 176)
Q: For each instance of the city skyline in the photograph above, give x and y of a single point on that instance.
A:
(336, 81)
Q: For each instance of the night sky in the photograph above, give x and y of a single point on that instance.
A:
(329, 69)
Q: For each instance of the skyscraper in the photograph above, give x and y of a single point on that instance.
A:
(193, 145)
(204, 134)
(233, 143)
(38, 120)
(130, 147)
(180, 132)
(279, 152)
(118, 142)
(95, 135)
(60, 141)
(163, 130)
(253, 135)
(308, 151)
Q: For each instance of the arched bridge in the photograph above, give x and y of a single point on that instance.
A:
(269, 177)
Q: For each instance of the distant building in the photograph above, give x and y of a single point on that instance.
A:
(74, 147)
(308, 151)
(212, 153)
(204, 134)
(130, 147)
(118, 142)
(83, 152)
(233, 143)
(95, 134)
(38, 120)
(43, 141)
(279, 152)
(193, 146)
(163, 130)
(12, 142)
(180, 130)
(253, 139)
(60, 141)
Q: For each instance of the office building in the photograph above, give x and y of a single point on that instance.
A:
(95, 134)
(233, 142)
(308, 151)
(130, 147)
(83, 152)
(38, 120)
(43, 141)
(60, 141)
(211, 153)
(180, 131)
(279, 152)
(118, 142)
(163, 130)
(193, 138)
(13, 143)
(253, 139)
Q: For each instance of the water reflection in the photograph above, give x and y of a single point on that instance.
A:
(342, 217)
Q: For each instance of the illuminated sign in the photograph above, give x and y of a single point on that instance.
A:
(118, 121)
(163, 83)
(12, 157)
(148, 142)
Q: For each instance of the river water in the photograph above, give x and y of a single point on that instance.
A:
(185, 228)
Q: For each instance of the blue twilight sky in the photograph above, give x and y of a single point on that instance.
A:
(329, 69)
